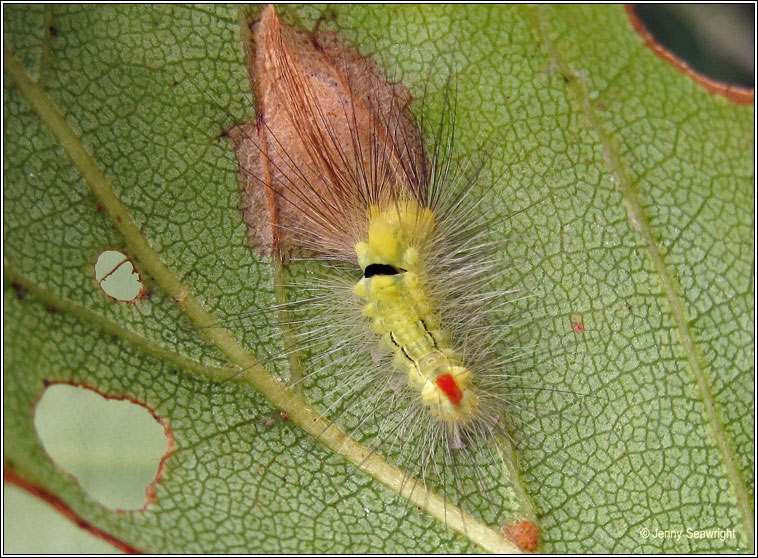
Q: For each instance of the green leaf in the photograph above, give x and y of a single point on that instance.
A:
(631, 194)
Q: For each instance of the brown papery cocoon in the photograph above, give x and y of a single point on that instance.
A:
(332, 137)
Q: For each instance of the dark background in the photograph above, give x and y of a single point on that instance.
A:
(717, 40)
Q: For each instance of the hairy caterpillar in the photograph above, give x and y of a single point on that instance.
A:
(581, 185)
(410, 311)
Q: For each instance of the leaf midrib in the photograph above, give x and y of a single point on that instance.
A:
(296, 407)
(628, 190)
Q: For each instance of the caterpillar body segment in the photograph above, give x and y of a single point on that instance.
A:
(402, 309)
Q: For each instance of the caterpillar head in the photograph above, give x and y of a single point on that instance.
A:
(395, 232)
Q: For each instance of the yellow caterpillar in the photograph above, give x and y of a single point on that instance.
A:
(403, 311)
(340, 166)
(337, 168)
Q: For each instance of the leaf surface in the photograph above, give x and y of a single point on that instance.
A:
(630, 190)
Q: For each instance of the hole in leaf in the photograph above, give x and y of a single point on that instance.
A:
(115, 274)
(112, 447)
(717, 40)
(689, 63)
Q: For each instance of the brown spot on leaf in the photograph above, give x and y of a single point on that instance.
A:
(331, 136)
(735, 93)
(20, 291)
(525, 534)
(577, 323)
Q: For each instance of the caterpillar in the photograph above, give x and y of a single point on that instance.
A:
(336, 169)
